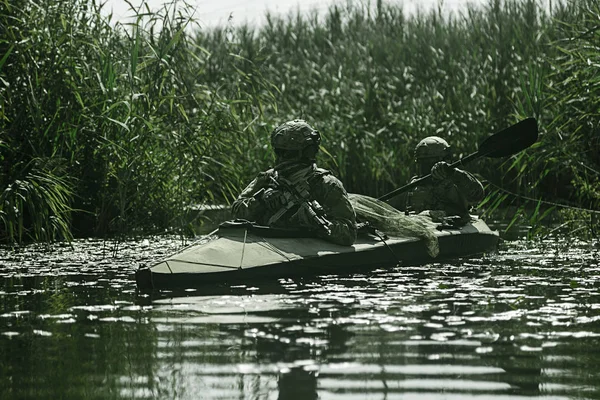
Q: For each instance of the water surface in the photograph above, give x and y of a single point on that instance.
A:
(522, 323)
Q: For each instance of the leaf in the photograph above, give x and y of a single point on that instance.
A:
(121, 124)
(5, 56)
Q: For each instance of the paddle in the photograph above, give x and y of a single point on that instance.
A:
(507, 142)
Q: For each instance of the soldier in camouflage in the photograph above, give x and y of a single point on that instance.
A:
(295, 193)
(451, 192)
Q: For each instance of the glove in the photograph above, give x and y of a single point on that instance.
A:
(273, 199)
(441, 170)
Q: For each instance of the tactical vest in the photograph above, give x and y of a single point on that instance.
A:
(300, 185)
(445, 196)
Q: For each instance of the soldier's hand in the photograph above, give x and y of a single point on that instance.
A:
(273, 199)
(441, 170)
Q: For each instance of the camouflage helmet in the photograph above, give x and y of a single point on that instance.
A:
(295, 135)
(432, 147)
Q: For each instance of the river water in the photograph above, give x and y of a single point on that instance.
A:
(521, 323)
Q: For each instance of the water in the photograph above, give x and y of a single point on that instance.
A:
(523, 323)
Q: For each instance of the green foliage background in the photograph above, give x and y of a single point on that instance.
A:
(107, 129)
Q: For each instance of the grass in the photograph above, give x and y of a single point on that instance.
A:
(118, 129)
(121, 112)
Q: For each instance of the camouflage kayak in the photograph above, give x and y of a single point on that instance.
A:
(239, 252)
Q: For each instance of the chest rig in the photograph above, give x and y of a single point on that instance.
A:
(296, 192)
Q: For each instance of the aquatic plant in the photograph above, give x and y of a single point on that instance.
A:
(561, 172)
(146, 118)
(37, 205)
(137, 134)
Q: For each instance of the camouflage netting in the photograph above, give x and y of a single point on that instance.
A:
(394, 222)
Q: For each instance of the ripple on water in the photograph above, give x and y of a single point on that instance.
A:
(519, 324)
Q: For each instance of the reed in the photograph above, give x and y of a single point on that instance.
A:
(119, 128)
(123, 113)
(561, 172)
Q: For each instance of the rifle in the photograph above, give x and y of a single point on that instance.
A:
(297, 195)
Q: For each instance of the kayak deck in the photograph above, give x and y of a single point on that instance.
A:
(240, 253)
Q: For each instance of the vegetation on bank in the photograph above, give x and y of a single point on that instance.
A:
(108, 129)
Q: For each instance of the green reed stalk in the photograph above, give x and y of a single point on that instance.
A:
(144, 119)
(121, 110)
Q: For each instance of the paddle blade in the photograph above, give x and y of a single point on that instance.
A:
(511, 140)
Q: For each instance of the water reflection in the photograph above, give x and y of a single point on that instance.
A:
(523, 323)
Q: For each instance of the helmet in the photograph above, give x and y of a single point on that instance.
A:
(294, 135)
(432, 147)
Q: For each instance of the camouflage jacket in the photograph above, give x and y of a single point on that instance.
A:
(454, 195)
(321, 186)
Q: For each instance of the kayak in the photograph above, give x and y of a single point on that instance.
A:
(239, 251)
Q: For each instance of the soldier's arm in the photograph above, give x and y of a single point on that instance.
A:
(339, 212)
(468, 186)
(246, 206)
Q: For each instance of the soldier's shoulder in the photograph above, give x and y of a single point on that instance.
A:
(320, 175)
(267, 173)
(322, 171)
(326, 178)
(333, 183)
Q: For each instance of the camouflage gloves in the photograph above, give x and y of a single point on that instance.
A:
(441, 170)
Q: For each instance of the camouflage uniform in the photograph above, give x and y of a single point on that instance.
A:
(314, 184)
(450, 190)
(454, 195)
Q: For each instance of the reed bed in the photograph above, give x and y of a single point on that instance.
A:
(121, 128)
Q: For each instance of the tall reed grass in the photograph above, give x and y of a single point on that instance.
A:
(132, 123)
(561, 172)
(121, 114)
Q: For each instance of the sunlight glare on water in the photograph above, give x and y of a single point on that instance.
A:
(520, 324)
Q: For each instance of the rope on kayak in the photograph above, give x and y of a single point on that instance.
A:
(201, 263)
(387, 245)
(368, 228)
(243, 248)
(273, 248)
